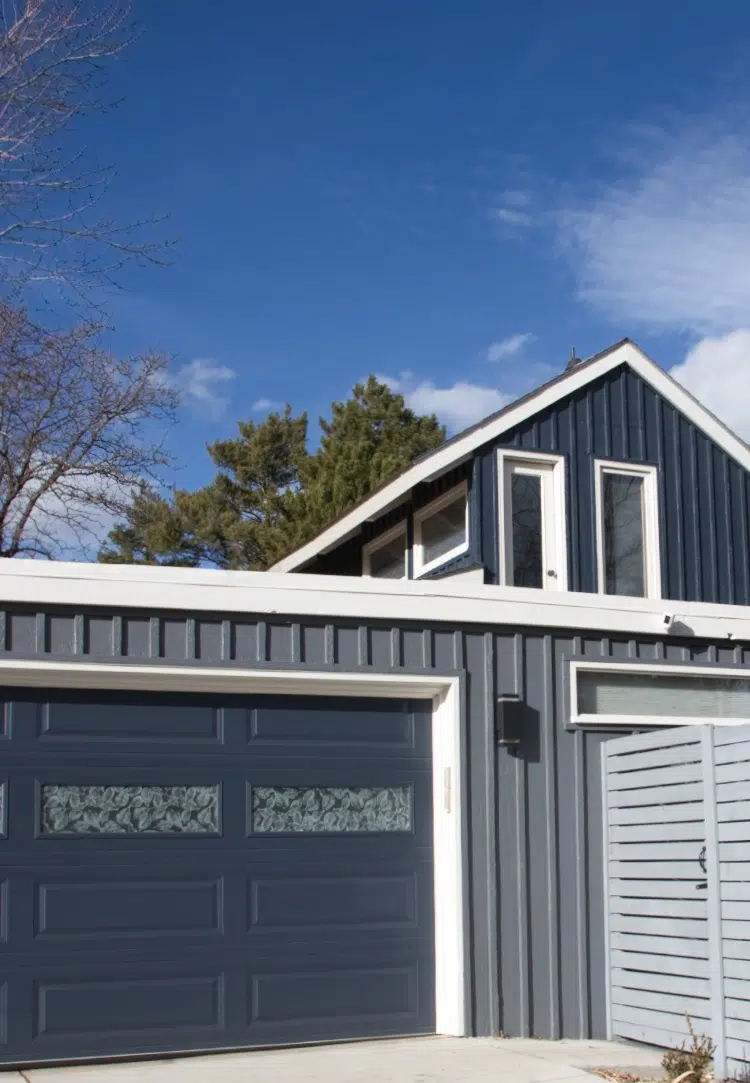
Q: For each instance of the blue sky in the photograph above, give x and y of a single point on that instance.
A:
(447, 194)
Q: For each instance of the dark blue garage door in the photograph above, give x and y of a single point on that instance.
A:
(182, 872)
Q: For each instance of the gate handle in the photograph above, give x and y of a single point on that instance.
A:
(702, 860)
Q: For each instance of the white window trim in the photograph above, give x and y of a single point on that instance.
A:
(424, 513)
(377, 543)
(632, 721)
(560, 541)
(448, 758)
(652, 553)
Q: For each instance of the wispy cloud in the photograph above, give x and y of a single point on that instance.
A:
(506, 348)
(717, 372)
(262, 406)
(666, 245)
(457, 406)
(510, 216)
(202, 384)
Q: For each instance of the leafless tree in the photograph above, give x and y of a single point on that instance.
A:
(53, 56)
(79, 429)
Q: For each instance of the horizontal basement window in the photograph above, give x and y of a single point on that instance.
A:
(658, 695)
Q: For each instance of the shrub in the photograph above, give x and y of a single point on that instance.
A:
(692, 1062)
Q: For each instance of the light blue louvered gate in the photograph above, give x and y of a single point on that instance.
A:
(677, 867)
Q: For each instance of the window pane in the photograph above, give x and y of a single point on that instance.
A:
(663, 696)
(526, 512)
(444, 531)
(130, 810)
(389, 561)
(623, 534)
(315, 810)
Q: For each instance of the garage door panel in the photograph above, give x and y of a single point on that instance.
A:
(79, 1010)
(280, 893)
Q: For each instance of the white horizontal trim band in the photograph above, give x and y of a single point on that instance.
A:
(266, 594)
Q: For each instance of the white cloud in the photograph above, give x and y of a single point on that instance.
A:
(508, 347)
(717, 372)
(667, 244)
(200, 382)
(510, 216)
(457, 406)
(261, 406)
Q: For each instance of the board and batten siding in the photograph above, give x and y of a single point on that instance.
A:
(678, 853)
(535, 815)
(704, 495)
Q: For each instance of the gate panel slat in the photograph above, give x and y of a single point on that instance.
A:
(670, 908)
(665, 965)
(696, 1007)
(654, 981)
(653, 889)
(660, 795)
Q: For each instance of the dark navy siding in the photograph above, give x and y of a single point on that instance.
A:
(704, 495)
(535, 878)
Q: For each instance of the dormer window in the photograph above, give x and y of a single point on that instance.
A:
(385, 556)
(441, 530)
(533, 547)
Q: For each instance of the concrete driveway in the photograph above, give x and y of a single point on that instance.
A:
(406, 1060)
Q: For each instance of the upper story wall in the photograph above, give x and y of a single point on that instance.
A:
(704, 495)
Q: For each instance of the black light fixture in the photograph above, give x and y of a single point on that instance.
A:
(510, 712)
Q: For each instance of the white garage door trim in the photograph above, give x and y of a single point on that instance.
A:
(451, 979)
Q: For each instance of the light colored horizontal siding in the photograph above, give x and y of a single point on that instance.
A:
(733, 810)
(735, 831)
(730, 752)
(731, 791)
(668, 946)
(695, 1007)
(682, 811)
(659, 1020)
(736, 949)
(679, 928)
(659, 776)
(692, 831)
(664, 965)
(655, 870)
(671, 908)
(655, 757)
(739, 1028)
(657, 982)
(655, 889)
(739, 989)
(731, 871)
(666, 738)
(736, 911)
(649, 1035)
(732, 772)
(658, 795)
(659, 851)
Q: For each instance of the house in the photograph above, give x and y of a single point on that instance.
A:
(361, 794)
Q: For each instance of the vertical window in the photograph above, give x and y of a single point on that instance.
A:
(628, 531)
(532, 516)
(385, 556)
(526, 527)
(441, 530)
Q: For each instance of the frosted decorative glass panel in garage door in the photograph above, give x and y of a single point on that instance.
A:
(678, 872)
(186, 872)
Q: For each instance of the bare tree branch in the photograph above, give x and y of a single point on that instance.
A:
(53, 56)
(79, 429)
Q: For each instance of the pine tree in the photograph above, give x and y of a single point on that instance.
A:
(269, 494)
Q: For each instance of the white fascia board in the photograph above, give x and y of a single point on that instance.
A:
(325, 597)
(460, 449)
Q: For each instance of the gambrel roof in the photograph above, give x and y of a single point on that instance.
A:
(461, 447)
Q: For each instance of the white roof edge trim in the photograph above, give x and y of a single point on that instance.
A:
(324, 598)
(444, 458)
